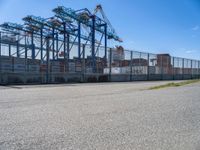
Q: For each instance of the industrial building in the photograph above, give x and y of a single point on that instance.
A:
(71, 46)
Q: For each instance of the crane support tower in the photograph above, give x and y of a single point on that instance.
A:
(67, 31)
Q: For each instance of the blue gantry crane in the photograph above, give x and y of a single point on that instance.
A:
(57, 34)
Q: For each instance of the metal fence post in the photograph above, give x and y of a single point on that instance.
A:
(9, 49)
(9, 46)
(191, 70)
(199, 69)
(53, 43)
(183, 68)
(161, 67)
(110, 64)
(0, 43)
(0, 52)
(83, 71)
(173, 69)
(26, 54)
(195, 69)
(57, 45)
(0, 58)
(47, 62)
(33, 46)
(68, 51)
(131, 65)
(18, 54)
(148, 73)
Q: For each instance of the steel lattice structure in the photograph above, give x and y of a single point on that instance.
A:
(58, 34)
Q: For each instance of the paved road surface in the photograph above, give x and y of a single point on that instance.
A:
(100, 116)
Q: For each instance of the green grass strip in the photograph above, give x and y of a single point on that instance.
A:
(174, 84)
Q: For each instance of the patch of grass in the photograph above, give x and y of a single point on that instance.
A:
(173, 84)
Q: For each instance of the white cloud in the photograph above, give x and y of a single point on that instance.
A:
(195, 28)
(194, 36)
(190, 51)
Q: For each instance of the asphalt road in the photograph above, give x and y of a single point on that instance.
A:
(100, 116)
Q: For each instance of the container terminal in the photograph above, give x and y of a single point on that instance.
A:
(72, 46)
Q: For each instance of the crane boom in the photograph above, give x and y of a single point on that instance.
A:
(110, 27)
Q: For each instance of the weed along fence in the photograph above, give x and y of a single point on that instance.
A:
(119, 65)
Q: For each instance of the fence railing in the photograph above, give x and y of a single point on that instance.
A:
(119, 65)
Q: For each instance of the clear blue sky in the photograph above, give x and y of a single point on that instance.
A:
(156, 26)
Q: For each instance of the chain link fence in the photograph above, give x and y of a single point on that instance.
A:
(116, 65)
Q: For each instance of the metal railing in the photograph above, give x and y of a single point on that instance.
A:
(17, 66)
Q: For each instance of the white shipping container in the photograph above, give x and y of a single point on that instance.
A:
(106, 70)
(125, 70)
(158, 70)
(152, 69)
(116, 70)
(139, 70)
(136, 70)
